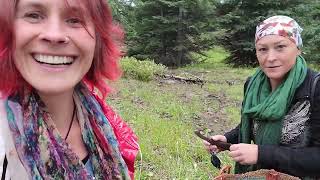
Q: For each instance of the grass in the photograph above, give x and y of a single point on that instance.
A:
(164, 116)
(141, 70)
(168, 146)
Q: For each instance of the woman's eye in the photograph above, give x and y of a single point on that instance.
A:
(262, 49)
(74, 21)
(33, 17)
(281, 46)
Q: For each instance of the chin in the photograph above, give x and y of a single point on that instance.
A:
(274, 75)
(53, 89)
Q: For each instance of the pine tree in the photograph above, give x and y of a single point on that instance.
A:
(239, 19)
(168, 30)
(308, 15)
(123, 13)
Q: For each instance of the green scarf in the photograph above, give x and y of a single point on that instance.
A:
(268, 107)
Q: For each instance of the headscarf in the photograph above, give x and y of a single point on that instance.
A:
(282, 26)
(263, 105)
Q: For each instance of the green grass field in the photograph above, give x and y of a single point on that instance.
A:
(164, 114)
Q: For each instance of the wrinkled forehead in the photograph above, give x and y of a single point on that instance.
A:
(274, 40)
(73, 5)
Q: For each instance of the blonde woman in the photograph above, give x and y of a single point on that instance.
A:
(277, 113)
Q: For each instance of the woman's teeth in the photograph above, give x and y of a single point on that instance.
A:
(53, 60)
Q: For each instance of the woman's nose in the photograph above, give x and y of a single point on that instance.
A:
(271, 55)
(54, 33)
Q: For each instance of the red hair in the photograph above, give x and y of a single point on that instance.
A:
(9, 75)
(107, 52)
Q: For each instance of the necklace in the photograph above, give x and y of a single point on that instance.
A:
(73, 113)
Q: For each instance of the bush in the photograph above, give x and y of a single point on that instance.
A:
(141, 70)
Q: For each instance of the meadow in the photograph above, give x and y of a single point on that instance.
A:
(164, 113)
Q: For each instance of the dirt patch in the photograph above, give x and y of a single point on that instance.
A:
(213, 119)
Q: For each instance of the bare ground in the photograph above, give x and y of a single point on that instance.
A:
(213, 118)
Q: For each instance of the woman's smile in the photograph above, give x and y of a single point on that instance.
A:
(53, 60)
(53, 63)
(273, 68)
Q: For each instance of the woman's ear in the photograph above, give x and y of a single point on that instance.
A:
(299, 52)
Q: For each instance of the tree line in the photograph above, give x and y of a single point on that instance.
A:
(169, 31)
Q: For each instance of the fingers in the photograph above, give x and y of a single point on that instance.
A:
(210, 148)
(236, 154)
(206, 143)
(219, 138)
(244, 153)
(213, 148)
(234, 147)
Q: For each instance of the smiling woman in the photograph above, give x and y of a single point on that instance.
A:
(47, 36)
(53, 55)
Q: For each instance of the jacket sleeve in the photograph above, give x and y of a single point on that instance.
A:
(302, 161)
(128, 141)
(232, 136)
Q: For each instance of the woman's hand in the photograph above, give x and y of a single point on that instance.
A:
(245, 154)
(213, 148)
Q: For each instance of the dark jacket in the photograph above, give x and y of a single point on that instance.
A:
(298, 153)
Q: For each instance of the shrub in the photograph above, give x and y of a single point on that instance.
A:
(141, 70)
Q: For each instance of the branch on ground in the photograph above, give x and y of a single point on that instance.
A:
(195, 80)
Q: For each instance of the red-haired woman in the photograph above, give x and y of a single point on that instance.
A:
(53, 125)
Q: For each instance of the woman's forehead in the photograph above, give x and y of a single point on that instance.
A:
(62, 4)
(273, 40)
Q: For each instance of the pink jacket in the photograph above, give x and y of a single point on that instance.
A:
(126, 138)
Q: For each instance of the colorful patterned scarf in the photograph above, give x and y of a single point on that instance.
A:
(46, 155)
(280, 25)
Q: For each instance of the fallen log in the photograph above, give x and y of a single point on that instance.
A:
(195, 80)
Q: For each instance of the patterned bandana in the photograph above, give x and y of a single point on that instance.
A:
(46, 155)
(282, 26)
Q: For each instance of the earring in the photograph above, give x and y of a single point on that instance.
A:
(66, 40)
